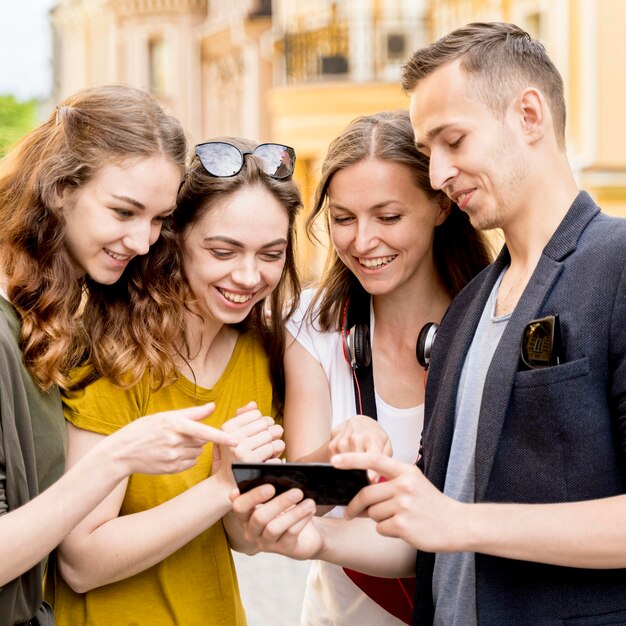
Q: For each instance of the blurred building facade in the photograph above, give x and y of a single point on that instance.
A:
(297, 71)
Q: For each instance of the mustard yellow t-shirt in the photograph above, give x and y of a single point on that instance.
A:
(196, 585)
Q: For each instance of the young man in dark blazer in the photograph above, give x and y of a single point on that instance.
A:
(526, 394)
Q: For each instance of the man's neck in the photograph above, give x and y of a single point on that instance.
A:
(540, 214)
(527, 236)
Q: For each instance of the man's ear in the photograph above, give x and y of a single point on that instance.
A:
(534, 114)
(445, 206)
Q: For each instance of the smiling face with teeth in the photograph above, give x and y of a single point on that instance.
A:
(118, 214)
(382, 225)
(234, 255)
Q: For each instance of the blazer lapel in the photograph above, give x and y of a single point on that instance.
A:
(501, 374)
(456, 336)
(499, 381)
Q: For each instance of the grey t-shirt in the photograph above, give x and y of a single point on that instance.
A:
(454, 580)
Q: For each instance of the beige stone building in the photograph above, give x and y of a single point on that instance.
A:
(290, 71)
(297, 71)
(585, 39)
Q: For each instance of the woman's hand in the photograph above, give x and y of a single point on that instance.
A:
(259, 437)
(168, 442)
(359, 434)
(283, 524)
(258, 440)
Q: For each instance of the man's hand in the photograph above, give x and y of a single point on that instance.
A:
(405, 505)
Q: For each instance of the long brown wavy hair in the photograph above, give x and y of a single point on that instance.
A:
(201, 192)
(460, 251)
(92, 128)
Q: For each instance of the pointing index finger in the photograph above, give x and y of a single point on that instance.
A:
(206, 433)
(379, 463)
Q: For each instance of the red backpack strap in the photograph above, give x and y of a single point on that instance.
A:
(395, 595)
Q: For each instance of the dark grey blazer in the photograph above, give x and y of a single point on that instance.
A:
(555, 434)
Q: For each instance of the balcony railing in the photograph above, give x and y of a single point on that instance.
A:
(341, 49)
(317, 53)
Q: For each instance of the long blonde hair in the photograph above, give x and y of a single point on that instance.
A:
(89, 129)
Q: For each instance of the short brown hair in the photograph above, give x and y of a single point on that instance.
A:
(504, 57)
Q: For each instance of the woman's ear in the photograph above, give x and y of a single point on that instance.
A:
(62, 196)
(445, 206)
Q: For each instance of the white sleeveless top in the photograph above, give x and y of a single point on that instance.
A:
(331, 598)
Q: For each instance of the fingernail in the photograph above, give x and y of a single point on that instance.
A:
(295, 495)
(267, 491)
(309, 506)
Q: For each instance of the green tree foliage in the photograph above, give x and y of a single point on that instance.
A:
(16, 119)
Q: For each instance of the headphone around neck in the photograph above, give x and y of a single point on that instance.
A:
(357, 348)
(425, 341)
(355, 339)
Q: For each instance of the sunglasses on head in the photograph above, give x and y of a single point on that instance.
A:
(223, 160)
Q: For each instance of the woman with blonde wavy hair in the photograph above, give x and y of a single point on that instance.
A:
(83, 198)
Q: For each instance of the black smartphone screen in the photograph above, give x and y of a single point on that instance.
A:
(323, 483)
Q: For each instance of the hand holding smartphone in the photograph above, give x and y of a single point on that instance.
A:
(322, 482)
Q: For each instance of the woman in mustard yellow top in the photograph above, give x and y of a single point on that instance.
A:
(84, 198)
(155, 551)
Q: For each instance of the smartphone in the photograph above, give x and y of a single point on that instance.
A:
(322, 482)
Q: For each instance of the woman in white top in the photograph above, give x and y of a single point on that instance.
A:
(398, 240)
